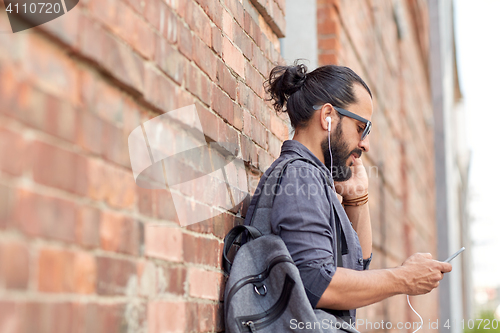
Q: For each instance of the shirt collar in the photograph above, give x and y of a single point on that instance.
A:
(294, 146)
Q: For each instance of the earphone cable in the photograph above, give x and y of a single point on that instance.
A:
(421, 320)
(331, 158)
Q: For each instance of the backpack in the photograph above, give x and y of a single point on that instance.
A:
(264, 290)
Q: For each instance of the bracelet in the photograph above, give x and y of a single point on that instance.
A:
(359, 201)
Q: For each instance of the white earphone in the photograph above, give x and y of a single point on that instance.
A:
(329, 121)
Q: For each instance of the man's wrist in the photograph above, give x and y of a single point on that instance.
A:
(399, 280)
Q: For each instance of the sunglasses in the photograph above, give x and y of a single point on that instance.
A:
(349, 114)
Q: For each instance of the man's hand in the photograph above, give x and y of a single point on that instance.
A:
(421, 274)
(357, 185)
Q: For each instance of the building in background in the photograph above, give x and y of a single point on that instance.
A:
(84, 249)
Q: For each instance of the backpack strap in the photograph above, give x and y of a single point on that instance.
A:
(261, 215)
(230, 239)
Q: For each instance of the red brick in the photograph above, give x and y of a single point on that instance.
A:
(254, 80)
(102, 318)
(164, 206)
(171, 280)
(265, 160)
(222, 224)
(228, 25)
(201, 250)
(233, 57)
(136, 5)
(247, 123)
(229, 135)
(146, 201)
(260, 62)
(106, 11)
(49, 316)
(115, 276)
(252, 28)
(62, 271)
(12, 152)
(60, 119)
(238, 117)
(204, 284)
(185, 40)
(59, 168)
(118, 60)
(199, 84)
(120, 234)
(7, 201)
(170, 27)
(204, 57)
(217, 40)
(115, 144)
(10, 318)
(248, 150)
(200, 317)
(198, 21)
(243, 42)
(47, 217)
(160, 91)
(236, 8)
(274, 146)
(163, 242)
(132, 29)
(171, 61)
(111, 184)
(213, 9)
(14, 271)
(222, 104)
(91, 40)
(226, 80)
(85, 272)
(153, 12)
(123, 64)
(247, 98)
(166, 316)
(56, 271)
(87, 227)
(259, 133)
(209, 122)
(51, 68)
(278, 127)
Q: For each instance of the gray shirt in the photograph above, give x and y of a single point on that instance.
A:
(303, 216)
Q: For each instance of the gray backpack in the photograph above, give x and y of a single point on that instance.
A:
(264, 290)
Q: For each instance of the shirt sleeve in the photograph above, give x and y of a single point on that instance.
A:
(366, 262)
(301, 217)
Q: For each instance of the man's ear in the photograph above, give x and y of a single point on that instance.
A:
(326, 111)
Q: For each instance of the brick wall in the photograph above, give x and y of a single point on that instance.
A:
(386, 42)
(82, 247)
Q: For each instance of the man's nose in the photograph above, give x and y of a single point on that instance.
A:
(365, 144)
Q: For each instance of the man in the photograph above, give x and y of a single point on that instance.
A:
(331, 110)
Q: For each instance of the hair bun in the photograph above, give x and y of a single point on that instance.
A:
(285, 81)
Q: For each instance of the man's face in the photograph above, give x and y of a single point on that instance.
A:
(340, 154)
(346, 144)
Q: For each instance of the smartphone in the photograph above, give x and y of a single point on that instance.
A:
(455, 254)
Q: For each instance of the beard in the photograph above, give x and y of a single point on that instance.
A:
(340, 154)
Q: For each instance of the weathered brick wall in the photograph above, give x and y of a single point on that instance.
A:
(82, 247)
(386, 42)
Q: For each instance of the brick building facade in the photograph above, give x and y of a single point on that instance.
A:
(84, 249)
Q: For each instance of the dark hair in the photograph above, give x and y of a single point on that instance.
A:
(295, 91)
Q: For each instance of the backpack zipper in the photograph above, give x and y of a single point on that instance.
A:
(262, 320)
(258, 277)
